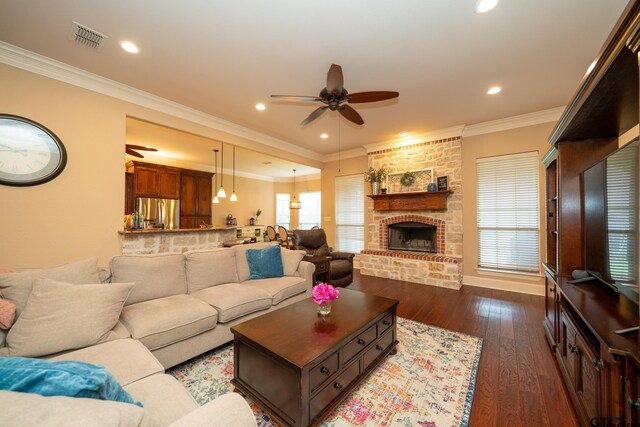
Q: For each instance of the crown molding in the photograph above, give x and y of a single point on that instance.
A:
(299, 178)
(44, 66)
(349, 154)
(452, 132)
(529, 119)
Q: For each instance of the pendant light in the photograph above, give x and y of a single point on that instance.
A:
(233, 197)
(294, 204)
(221, 193)
(215, 198)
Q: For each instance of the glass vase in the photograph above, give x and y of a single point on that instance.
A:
(324, 309)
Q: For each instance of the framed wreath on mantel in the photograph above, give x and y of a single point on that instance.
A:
(409, 181)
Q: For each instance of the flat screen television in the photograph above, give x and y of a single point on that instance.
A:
(610, 201)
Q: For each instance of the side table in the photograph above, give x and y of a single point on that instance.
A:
(323, 268)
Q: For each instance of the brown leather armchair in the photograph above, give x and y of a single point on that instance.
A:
(315, 243)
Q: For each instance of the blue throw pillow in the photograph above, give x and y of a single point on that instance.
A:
(265, 263)
(63, 378)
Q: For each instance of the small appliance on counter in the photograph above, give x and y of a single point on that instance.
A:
(159, 213)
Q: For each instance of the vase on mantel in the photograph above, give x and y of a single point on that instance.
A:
(324, 309)
(375, 187)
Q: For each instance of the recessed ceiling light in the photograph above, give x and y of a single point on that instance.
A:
(404, 133)
(260, 106)
(484, 6)
(494, 90)
(129, 47)
(324, 136)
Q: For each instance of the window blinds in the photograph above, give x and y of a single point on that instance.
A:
(282, 210)
(508, 213)
(309, 211)
(622, 201)
(349, 213)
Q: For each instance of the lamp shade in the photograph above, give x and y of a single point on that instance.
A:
(294, 204)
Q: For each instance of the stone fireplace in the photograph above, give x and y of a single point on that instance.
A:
(421, 246)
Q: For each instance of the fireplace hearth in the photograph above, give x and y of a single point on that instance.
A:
(412, 236)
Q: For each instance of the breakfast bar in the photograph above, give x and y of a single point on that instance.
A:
(154, 240)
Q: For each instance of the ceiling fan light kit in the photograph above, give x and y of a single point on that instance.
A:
(337, 98)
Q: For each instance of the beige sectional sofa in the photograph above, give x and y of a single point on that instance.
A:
(179, 306)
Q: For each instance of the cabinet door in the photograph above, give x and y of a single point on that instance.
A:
(589, 367)
(551, 310)
(129, 199)
(169, 183)
(567, 348)
(204, 198)
(188, 199)
(631, 393)
(146, 181)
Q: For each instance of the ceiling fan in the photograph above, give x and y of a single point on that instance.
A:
(336, 98)
(132, 150)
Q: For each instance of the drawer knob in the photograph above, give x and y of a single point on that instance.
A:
(362, 342)
(337, 386)
(379, 347)
(386, 322)
(572, 348)
(324, 370)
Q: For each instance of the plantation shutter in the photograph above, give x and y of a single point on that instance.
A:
(621, 204)
(349, 213)
(508, 213)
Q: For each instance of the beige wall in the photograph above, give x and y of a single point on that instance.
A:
(78, 214)
(352, 166)
(531, 138)
(252, 195)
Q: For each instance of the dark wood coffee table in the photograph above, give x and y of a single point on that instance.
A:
(300, 366)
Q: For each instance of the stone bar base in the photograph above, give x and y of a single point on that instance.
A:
(154, 242)
(429, 269)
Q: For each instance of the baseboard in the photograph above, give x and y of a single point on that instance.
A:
(504, 285)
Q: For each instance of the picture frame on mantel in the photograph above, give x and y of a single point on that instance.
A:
(423, 178)
(443, 183)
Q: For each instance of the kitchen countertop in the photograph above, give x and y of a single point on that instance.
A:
(179, 230)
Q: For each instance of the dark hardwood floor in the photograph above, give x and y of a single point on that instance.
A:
(518, 383)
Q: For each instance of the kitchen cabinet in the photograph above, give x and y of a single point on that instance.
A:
(195, 198)
(151, 180)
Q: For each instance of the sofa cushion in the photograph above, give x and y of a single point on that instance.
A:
(206, 268)
(154, 276)
(60, 378)
(228, 410)
(164, 321)
(128, 360)
(233, 300)
(27, 409)
(61, 316)
(291, 260)
(163, 396)
(16, 287)
(265, 263)
(242, 266)
(279, 288)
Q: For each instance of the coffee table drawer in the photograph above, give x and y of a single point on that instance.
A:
(357, 344)
(324, 369)
(333, 390)
(372, 354)
(385, 323)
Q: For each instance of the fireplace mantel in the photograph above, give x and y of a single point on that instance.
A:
(414, 201)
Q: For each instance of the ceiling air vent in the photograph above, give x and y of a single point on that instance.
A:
(88, 37)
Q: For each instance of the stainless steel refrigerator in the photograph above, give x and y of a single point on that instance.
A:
(159, 212)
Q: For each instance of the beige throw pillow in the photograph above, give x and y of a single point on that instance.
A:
(16, 287)
(61, 316)
(291, 260)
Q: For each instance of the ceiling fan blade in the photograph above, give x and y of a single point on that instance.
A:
(335, 80)
(372, 96)
(350, 114)
(314, 115)
(130, 152)
(140, 147)
(297, 98)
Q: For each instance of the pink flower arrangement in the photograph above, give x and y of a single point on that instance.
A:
(323, 293)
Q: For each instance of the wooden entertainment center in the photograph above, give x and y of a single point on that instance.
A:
(601, 369)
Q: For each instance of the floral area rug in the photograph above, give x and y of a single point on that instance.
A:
(429, 382)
